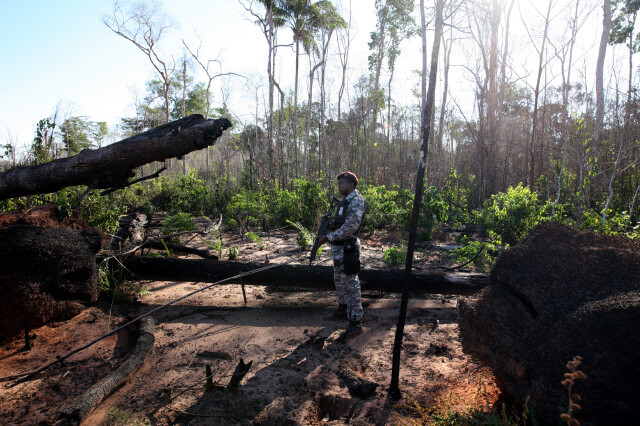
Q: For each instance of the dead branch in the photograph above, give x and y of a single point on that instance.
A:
(113, 165)
(76, 412)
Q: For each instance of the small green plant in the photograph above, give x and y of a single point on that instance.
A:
(218, 247)
(395, 255)
(444, 414)
(255, 238)
(569, 381)
(115, 282)
(304, 239)
(233, 253)
(177, 223)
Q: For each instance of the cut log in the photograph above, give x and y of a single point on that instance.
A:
(74, 414)
(113, 165)
(179, 248)
(299, 276)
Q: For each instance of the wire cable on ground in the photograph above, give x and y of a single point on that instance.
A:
(27, 376)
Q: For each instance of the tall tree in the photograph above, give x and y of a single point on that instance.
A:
(536, 94)
(602, 51)
(143, 24)
(269, 21)
(306, 18)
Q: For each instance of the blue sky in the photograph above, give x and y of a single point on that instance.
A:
(60, 52)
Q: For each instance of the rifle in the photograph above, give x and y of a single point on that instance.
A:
(322, 230)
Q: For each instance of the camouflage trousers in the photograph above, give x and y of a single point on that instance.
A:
(348, 289)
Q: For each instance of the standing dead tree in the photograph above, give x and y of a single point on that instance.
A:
(143, 26)
(113, 165)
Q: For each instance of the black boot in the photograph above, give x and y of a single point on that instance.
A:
(339, 314)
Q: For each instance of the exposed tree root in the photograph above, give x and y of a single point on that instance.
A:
(85, 403)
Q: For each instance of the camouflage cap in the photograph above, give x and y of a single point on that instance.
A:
(349, 176)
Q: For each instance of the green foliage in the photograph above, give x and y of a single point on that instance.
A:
(43, 141)
(119, 417)
(233, 253)
(116, 283)
(456, 195)
(305, 239)
(395, 255)
(483, 254)
(386, 207)
(218, 247)
(177, 223)
(76, 133)
(275, 206)
(255, 238)
(184, 193)
(509, 216)
(476, 415)
(617, 223)
(433, 211)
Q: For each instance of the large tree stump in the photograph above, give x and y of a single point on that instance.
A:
(560, 293)
(46, 274)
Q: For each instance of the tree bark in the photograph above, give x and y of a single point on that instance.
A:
(299, 276)
(602, 51)
(75, 413)
(113, 165)
(536, 96)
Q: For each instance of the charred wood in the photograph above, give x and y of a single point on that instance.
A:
(300, 276)
(75, 413)
(113, 165)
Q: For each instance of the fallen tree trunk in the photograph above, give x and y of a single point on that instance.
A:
(299, 276)
(113, 165)
(179, 248)
(74, 414)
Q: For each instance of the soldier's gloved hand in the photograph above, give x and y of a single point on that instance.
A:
(322, 239)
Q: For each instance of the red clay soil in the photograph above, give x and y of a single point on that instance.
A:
(48, 216)
(295, 355)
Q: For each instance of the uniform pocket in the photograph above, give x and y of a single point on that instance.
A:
(351, 257)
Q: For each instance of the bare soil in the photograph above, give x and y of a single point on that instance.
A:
(295, 353)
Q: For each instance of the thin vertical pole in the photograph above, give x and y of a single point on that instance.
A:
(394, 390)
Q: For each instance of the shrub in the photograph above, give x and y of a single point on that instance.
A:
(177, 223)
(386, 207)
(484, 254)
(233, 253)
(456, 194)
(184, 193)
(433, 211)
(395, 255)
(509, 216)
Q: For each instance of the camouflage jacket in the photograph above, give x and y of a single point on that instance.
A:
(355, 212)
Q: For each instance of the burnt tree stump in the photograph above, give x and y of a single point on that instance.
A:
(46, 274)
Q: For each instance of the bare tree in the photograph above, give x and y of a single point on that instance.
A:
(602, 51)
(143, 25)
(206, 67)
(536, 93)
(344, 40)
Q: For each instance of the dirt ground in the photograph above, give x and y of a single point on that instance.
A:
(295, 353)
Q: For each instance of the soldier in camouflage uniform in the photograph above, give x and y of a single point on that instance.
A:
(345, 252)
